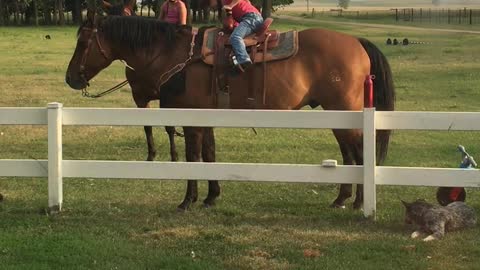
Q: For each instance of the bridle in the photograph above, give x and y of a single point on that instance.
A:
(93, 36)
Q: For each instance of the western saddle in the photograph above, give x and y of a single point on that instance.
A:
(217, 51)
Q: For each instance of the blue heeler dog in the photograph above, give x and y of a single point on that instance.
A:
(435, 220)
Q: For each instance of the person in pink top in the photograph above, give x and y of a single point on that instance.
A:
(174, 11)
(249, 20)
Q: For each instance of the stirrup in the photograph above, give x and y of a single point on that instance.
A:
(240, 67)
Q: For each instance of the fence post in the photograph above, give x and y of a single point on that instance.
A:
(55, 181)
(369, 163)
(470, 16)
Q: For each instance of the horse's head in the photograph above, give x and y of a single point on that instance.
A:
(91, 55)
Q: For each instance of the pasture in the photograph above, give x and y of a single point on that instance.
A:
(121, 224)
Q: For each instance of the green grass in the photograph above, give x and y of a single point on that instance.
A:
(132, 224)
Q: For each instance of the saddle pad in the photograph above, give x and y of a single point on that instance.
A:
(287, 47)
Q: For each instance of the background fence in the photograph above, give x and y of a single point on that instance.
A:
(408, 15)
(55, 168)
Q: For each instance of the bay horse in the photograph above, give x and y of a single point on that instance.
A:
(328, 70)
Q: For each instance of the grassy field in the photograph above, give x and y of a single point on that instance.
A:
(122, 224)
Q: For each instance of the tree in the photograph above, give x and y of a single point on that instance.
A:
(343, 3)
(267, 8)
(75, 6)
(274, 4)
(2, 12)
(60, 9)
(35, 11)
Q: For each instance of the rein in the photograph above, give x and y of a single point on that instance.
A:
(178, 67)
(85, 93)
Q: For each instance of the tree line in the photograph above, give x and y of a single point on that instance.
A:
(61, 12)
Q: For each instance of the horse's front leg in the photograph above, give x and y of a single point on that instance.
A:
(208, 155)
(193, 149)
(150, 143)
(148, 132)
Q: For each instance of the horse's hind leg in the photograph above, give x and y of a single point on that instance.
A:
(345, 189)
(208, 155)
(358, 155)
(171, 137)
(351, 146)
(193, 149)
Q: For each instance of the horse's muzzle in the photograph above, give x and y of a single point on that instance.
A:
(77, 83)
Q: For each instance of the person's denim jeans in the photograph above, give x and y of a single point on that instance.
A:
(249, 23)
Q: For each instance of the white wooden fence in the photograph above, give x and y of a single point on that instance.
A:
(55, 168)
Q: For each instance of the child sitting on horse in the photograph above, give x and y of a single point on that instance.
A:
(249, 20)
(174, 11)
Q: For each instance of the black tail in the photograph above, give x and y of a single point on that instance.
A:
(384, 92)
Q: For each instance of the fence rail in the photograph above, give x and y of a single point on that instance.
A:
(55, 168)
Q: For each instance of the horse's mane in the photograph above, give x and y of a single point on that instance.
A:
(137, 32)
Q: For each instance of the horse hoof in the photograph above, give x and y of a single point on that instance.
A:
(338, 206)
(151, 156)
(208, 205)
(181, 210)
(183, 207)
(357, 206)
